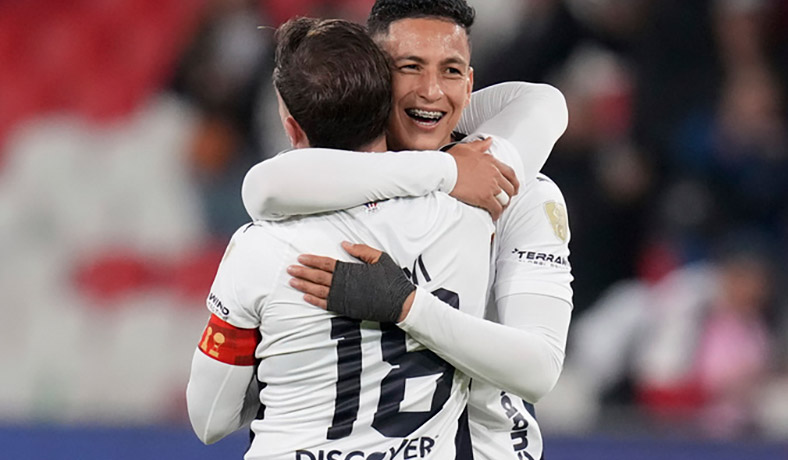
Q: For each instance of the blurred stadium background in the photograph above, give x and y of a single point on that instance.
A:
(126, 127)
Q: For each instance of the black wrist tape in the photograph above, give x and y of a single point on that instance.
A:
(373, 292)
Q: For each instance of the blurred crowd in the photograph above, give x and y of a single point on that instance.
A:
(126, 128)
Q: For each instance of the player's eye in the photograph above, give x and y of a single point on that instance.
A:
(410, 67)
(454, 71)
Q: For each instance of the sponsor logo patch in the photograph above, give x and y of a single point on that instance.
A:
(406, 450)
(216, 307)
(519, 431)
(540, 258)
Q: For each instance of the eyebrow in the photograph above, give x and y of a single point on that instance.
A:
(420, 60)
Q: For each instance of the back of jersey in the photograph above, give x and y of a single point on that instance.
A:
(334, 388)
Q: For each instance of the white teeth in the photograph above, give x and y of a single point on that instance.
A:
(425, 114)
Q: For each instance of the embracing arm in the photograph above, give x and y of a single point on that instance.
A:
(532, 116)
(309, 181)
(525, 356)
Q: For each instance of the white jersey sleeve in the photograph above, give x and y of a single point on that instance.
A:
(532, 116)
(524, 355)
(251, 267)
(532, 247)
(532, 295)
(218, 395)
(522, 360)
(330, 386)
(314, 180)
(308, 181)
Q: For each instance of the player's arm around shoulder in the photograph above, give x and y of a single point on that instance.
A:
(222, 394)
(532, 116)
(314, 180)
(551, 101)
(534, 106)
(506, 107)
(524, 353)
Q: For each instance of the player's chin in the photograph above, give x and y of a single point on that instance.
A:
(423, 143)
(420, 140)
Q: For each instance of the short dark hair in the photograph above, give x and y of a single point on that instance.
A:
(384, 12)
(334, 80)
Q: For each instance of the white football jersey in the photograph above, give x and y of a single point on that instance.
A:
(333, 388)
(531, 250)
(502, 425)
(532, 243)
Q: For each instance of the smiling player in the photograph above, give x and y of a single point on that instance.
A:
(517, 361)
(327, 386)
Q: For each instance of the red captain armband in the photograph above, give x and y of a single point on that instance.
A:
(229, 344)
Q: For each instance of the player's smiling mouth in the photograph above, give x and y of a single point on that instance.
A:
(427, 118)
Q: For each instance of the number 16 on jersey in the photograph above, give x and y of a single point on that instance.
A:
(389, 420)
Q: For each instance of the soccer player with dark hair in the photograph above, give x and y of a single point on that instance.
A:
(308, 62)
(316, 384)
(516, 355)
(386, 12)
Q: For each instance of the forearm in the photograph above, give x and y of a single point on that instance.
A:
(524, 358)
(310, 181)
(216, 397)
(531, 116)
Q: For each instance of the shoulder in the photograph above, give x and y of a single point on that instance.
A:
(246, 238)
(451, 206)
(504, 150)
(534, 194)
(436, 209)
(543, 188)
(414, 224)
(247, 274)
(532, 251)
(255, 247)
(539, 208)
(261, 233)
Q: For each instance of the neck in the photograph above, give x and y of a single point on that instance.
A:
(378, 145)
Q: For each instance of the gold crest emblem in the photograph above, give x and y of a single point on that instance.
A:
(556, 212)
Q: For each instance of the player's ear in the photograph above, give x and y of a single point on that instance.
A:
(294, 132)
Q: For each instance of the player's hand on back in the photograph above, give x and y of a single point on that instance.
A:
(376, 290)
(482, 180)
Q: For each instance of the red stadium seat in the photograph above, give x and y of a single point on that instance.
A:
(99, 59)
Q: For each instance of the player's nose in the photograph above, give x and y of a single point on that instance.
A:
(430, 88)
